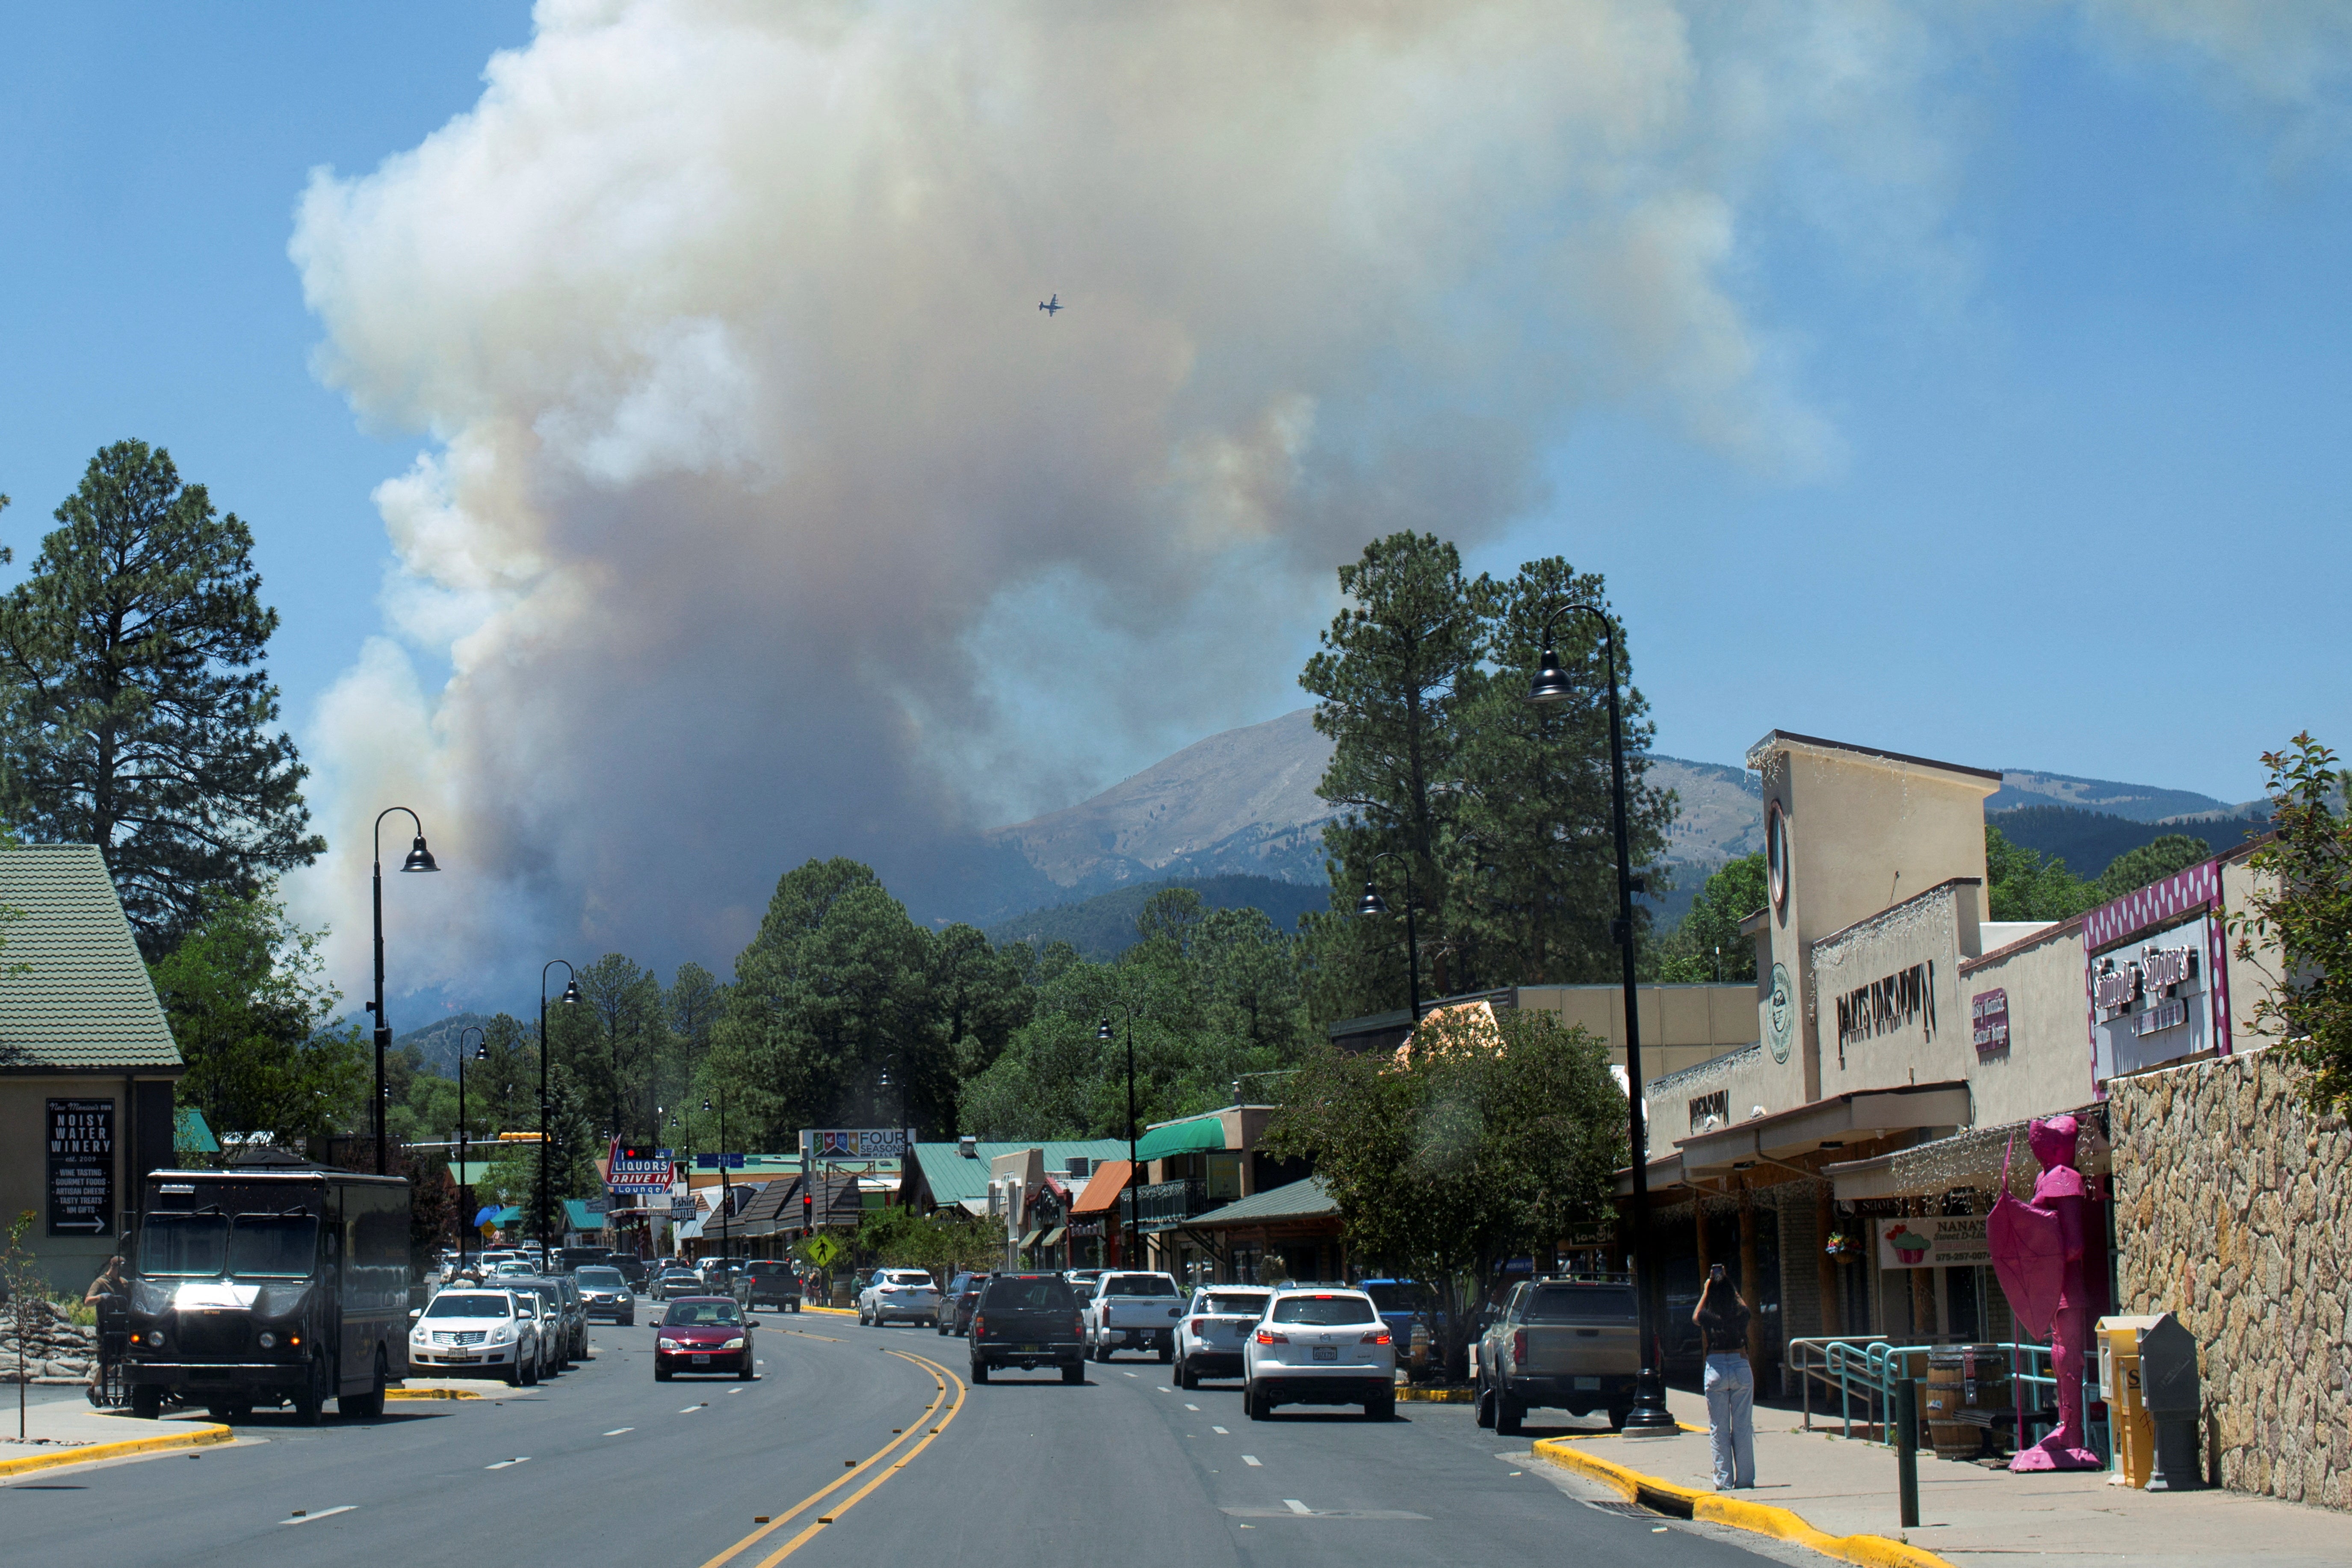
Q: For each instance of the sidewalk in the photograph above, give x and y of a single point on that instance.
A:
(67, 1432)
(1977, 1517)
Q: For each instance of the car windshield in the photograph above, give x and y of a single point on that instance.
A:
(272, 1247)
(1580, 1304)
(1237, 1305)
(1140, 1285)
(470, 1304)
(1027, 1293)
(601, 1278)
(1404, 1296)
(910, 1277)
(1313, 1310)
(182, 1244)
(699, 1314)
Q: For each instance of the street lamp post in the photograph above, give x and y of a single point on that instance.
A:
(1134, 1188)
(420, 859)
(1553, 684)
(725, 1188)
(571, 994)
(465, 1146)
(1371, 903)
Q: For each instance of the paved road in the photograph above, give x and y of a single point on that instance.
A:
(604, 1466)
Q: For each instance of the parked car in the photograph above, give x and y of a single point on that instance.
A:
(1319, 1347)
(1569, 1344)
(1133, 1311)
(769, 1282)
(555, 1350)
(604, 1293)
(675, 1281)
(496, 1332)
(1028, 1321)
(1217, 1324)
(1403, 1302)
(704, 1334)
(962, 1299)
(907, 1294)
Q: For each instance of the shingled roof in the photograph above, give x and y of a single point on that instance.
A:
(73, 991)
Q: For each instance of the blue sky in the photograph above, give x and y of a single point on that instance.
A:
(2079, 502)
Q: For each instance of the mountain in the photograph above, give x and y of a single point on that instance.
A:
(438, 1041)
(1103, 927)
(2087, 840)
(2134, 803)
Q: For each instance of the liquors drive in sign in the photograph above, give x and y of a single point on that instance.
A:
(1949, 1241)
(81, 1167)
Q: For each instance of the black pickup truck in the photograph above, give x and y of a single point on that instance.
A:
(1028, 1321)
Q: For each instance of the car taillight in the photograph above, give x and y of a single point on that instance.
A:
(1269, 1337)
(979, 1324)
(1380, 1338)
(1519, 1346)
(1077, 1326)
(1199, 1325)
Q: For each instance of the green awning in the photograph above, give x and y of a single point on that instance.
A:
(1182, 1138)
(191, 1133)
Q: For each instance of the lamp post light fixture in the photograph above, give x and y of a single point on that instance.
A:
(1135, 1188)
(571, 994)
(1371, 903)
(1552, 684)
(419, 859)
(465, 1146)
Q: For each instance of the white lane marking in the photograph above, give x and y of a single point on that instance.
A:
(1294, 1506)
(1221, 1431)
(502, 1464)
(734, 1391)
(1191, 1407)
(1165, 1389)
(1130, 1374)
(618, 1430)
(322, 1513)
(1251, 1459)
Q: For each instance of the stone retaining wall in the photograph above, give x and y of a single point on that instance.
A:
(2233, 1211)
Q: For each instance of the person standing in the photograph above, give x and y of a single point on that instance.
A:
(1722, 1318)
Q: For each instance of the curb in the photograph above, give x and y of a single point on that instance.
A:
(432, 1393)
(1713, 1507)
(1435, 1395)
(833, 1311)
(196, 1435)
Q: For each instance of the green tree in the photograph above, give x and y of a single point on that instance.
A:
(2151, 862)
(1491, 1142)
(2026, 887)
(2299, 917)
(138, 713)
(1530, 854)
(250, 1013)
(1387, 682)
(1707, 945)
(613, 1039)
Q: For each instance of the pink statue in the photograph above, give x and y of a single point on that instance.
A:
(2038, 1252)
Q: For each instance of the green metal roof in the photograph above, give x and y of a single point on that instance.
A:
(953, 1178)
(73, 991)
(191, 1133)
(576, 1211)
(1182, 1138)
(1299, 1200)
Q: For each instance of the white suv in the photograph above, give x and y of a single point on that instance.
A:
(905, 1294)
(1319, 1347)
(471, 1332)
(1209, 1339)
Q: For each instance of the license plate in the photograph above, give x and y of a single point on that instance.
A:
(1031, 1350)
(701, 1361)
(1327, 1353)
(1587, 1383)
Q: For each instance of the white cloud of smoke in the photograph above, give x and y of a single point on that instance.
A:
(753, 467)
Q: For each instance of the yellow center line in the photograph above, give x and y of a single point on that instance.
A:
(829, 1339)
(940, 1375)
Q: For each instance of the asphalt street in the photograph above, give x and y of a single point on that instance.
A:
(849, 1426)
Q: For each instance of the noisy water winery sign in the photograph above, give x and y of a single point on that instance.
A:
(81, 1167)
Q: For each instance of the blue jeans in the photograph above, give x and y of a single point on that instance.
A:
(1731, 1419)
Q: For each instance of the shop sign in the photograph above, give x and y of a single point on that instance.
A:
(681, 1209)
(854, 1142)
(1882, 1006)
(2154, 1000)
(636, 1172)
(1921, 1241)
(81, 1167)
(1989, 1017)
(1781, 1012)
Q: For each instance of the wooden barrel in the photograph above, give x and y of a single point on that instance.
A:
(1942, 1401)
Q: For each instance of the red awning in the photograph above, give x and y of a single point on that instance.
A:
(1103, 1187)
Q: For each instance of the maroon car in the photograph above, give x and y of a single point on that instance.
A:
(702, 1334)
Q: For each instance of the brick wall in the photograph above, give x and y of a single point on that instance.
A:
(2234, 1211)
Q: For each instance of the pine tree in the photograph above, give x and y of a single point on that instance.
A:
(138, 714)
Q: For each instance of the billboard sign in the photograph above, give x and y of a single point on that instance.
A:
(81, 1167)
(854, 1142)
(635, 1172)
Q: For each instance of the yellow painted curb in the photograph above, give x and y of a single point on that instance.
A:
(193, 1436)
(833, 1311)
(1435, 1395)
(1713, 1507)
(432, 1393)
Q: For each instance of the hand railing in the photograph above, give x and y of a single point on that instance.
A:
(1864, 1368)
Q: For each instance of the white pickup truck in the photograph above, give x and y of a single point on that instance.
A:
(1133, 1311)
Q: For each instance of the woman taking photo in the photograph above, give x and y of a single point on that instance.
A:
(1722, 1318)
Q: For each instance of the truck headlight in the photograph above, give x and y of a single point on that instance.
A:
(154, 1339)
(268, 1340)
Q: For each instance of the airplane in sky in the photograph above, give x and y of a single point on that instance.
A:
(1050, 306)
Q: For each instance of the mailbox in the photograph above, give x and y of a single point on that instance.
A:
(2175, 1399)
